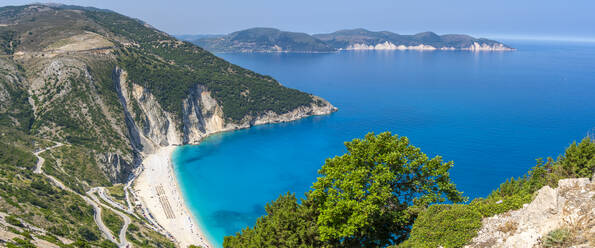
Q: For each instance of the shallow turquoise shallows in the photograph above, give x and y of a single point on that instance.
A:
(492, 113)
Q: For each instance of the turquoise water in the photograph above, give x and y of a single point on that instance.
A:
(492, 114)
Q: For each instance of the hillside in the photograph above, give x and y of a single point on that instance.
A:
(354, 39)
(85, 95)
(273, 40)
(264, 40)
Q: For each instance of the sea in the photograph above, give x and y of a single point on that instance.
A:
(492, 113)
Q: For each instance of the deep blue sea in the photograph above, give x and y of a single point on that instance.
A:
(492, 113)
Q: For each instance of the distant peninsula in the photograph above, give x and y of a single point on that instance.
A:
(275, 40)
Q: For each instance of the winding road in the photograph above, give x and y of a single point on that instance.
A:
(93, 201)
(41, 160)
(122, 237)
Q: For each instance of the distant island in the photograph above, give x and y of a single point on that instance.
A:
(275, 40)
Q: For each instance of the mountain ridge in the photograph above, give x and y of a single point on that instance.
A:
(267, 40)
(111, 89)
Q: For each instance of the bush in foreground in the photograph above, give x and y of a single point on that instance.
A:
(368, 197)
(434, 228)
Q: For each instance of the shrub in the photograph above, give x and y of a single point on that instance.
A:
(13, 221)
(557, 238)
(579, 160)
(444, 225)
(87, 234)
(20, 243)
(508, 227)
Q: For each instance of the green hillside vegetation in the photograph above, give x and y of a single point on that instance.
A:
(77, 169)
(79, 107)
(31, 198)
(386, 192)
(170, 69)
(117, 193)
(141, 236)
(228, 85)
(112, 221)
(263, 40)
(50, 95)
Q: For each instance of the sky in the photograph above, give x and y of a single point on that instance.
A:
(555, 19)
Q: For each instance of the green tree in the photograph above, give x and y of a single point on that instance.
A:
(367, 197)
(371, 195)
(579, 160)
(287, 224)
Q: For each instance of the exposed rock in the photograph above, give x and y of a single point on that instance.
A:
(387, 45)
(571, 205)
(202, 115)
(115, 166)
(422, 47)
(487, 47)
(85, 41)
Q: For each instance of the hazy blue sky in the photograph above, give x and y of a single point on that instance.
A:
(521, 18)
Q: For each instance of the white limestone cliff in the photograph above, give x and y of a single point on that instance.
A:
(571, 205)
(153, 127)
(387, 45)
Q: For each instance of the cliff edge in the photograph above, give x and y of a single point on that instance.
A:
(557, 217)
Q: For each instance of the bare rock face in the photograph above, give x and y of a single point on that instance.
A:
(118, 167)
(151, 127)
(571, 206)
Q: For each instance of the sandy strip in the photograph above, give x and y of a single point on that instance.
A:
(158, 190)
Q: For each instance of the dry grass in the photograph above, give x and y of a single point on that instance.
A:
(508, 227)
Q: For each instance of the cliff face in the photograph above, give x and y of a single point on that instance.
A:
(570, 207)
(113, 88)
(387, 45)
(150, 126)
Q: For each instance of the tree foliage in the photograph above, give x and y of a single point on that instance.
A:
(286, 224)
(445, 226)
(367, 197)
(579, 160)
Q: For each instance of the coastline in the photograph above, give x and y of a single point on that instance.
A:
(159, 191)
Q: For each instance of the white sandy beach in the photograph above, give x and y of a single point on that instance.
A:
(159, 191)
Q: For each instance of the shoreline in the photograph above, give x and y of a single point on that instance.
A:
(159, 191)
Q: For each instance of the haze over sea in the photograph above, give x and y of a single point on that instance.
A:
(492, 113)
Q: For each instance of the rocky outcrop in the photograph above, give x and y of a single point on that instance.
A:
(202, 116)
(487, 47)
(570, 206)
(151, 127)
(387, 45)
(422, 47)
(118, 167)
